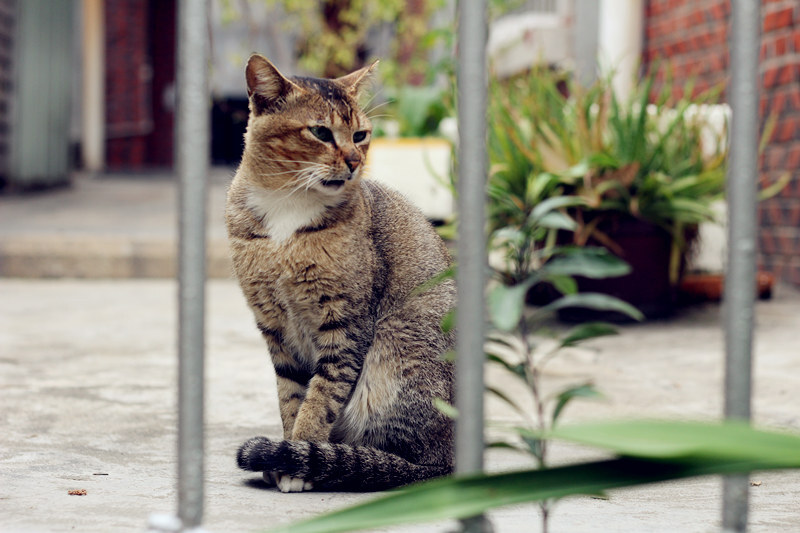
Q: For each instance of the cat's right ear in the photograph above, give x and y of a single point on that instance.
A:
(266, 86)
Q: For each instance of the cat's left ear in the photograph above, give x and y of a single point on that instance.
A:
(355, 81)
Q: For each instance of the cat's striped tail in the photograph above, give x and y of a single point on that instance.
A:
(331, 466)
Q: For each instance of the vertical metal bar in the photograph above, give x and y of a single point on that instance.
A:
(741, 271)
(192, 165)
(472, 170)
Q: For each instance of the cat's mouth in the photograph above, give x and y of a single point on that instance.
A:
(333, 184)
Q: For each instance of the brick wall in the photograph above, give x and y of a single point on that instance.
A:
(692, 36)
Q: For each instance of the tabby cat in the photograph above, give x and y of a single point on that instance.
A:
(330, 265)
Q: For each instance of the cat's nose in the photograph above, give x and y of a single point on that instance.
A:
(352, 161)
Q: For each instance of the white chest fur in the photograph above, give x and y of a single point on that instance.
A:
(284, 213)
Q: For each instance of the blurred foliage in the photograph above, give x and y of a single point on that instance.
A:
(551, 137)
(415, 111)
(333, 33)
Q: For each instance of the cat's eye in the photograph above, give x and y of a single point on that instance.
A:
(359, 136)
(322, 133)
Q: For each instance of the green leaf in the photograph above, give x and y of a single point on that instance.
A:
(590, 262)
(445, 408)
(449, 321)
(591, 300)
(517, 369)
(586, 390)
(506, 305)
(665, 451)
(563, 283)
(538, 186)
(509, 235)
(553, 203)
(442, 276)
(503, 396)
(589, 330)
(673, 440)
(577, 171)
(557, 220)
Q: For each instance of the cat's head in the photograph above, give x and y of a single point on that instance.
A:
(305, 134)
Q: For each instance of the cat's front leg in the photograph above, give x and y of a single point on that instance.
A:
(341, 332)
(341, 346)
(290, 397)
(327, 392)
(292, 378)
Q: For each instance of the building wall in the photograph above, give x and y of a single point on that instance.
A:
(691, 36)
(6, 54)
(140, 71)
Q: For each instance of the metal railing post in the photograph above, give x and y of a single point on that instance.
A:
(192, 165)
(472, 171)
(739, 295)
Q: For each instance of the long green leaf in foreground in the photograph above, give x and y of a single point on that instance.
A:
(673, 440)
(651, 452)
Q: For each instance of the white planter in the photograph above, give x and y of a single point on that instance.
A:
(419, 168)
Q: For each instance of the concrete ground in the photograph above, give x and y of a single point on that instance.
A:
(88, 373)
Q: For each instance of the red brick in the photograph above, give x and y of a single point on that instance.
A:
(770, 77)
(788, 240)
(793, 276)
(697, 17)
(779, 75)
(781, 45)
(767, 242)
(720, 10)
(792, 190)
(719, 36)
(789, 73)
(793, 157)
(774, 157)
(778, 19)
(793, 214)
(788, 129)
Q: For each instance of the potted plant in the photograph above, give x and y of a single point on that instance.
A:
(409, 153)
(642, 173)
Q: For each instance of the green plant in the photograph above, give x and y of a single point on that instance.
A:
(416, 110)
(519, 343)
(645, 452)
(333, 33)
(659, 161)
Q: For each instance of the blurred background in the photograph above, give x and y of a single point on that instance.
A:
(87, 87)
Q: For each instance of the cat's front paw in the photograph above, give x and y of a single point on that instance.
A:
(292, 484)
(271, 478)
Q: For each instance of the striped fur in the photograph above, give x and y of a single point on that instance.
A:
(328, 264)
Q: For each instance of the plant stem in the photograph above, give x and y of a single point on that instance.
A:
(545, 508)
(533, 376)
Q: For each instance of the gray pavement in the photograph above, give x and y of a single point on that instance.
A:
(106, 226)
(88, 374)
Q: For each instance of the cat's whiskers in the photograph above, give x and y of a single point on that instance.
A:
(304, 177)
(307, 177)
(376, 106)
